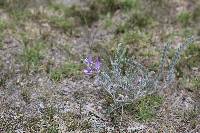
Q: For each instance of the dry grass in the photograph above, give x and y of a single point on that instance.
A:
(41, 45)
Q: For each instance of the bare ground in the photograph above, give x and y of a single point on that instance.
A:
(32, 102)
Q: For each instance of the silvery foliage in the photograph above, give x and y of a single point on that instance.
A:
(126, 80)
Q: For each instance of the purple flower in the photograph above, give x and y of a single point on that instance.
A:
(92, 66)
(97, 64)
(88, 61)
(88, 71)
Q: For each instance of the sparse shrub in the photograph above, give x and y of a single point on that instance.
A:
(127, 81)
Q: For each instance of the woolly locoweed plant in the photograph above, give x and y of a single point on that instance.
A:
(125, 80)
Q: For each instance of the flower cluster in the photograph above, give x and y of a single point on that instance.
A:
(93, 66)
